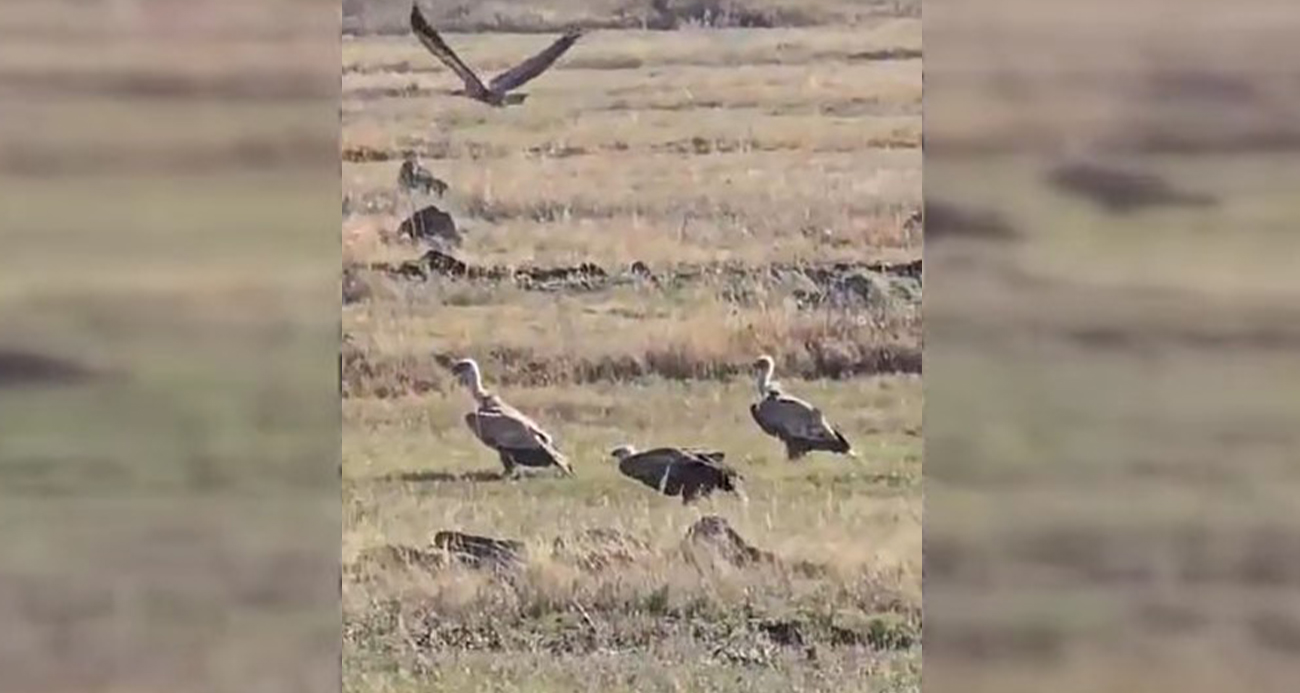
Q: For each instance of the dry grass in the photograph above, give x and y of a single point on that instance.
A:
(629, 151)
(1123, 380)
(193, 296)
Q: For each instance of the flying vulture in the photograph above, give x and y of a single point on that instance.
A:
(798, 424)
(496, 92)
(518, 440)
(681, 472)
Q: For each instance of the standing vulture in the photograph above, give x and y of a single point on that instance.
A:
(675, 471)
(518, 440)
(497, 91)
(798, 424)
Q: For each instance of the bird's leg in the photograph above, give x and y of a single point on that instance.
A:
(792, 452)
(509, 464)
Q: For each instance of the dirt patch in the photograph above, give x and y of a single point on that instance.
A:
(814, 284)
(902, 138)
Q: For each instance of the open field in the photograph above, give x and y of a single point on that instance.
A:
(168, 438)
(739, 166)
(1111, 396)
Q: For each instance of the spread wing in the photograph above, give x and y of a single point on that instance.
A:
(516, 76)
(431, 40)
(714, 456)
(668, 470)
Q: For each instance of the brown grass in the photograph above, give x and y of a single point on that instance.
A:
(630, 151)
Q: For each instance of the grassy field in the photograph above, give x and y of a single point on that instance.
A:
(772, 153)
(1111, 398)
(168, 451)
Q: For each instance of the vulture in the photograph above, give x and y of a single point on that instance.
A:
(518, 440)
(497, 91)
(433, 226)
(677, 471)
(798, 424)
(413, 177)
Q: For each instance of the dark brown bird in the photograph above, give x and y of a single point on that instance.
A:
(431, 225)
(497, 91)
(690, 474)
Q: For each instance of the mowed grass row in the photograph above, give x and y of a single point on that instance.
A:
(753, 162)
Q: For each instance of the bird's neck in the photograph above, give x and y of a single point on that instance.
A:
(476, 387)
(766, 386)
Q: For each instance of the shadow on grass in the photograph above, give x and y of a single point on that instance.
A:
(425, 476)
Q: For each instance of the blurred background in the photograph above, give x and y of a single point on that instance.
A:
(1111, 329)
(169, 441)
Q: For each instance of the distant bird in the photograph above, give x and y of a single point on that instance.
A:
(517, 439)
(496, 92)
(1120, 191)
(688, 473)
(414, 177)
(801, 426)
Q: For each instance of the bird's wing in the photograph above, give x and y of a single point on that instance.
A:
(432, 41)
(712, 461)
(651, 467)
(523, 420)
(516, 76)
(715, 456)
(797, 418)
(761, 417)
(499, 429)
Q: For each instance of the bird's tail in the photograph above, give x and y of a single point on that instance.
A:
(560, 461)
(844, 447)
